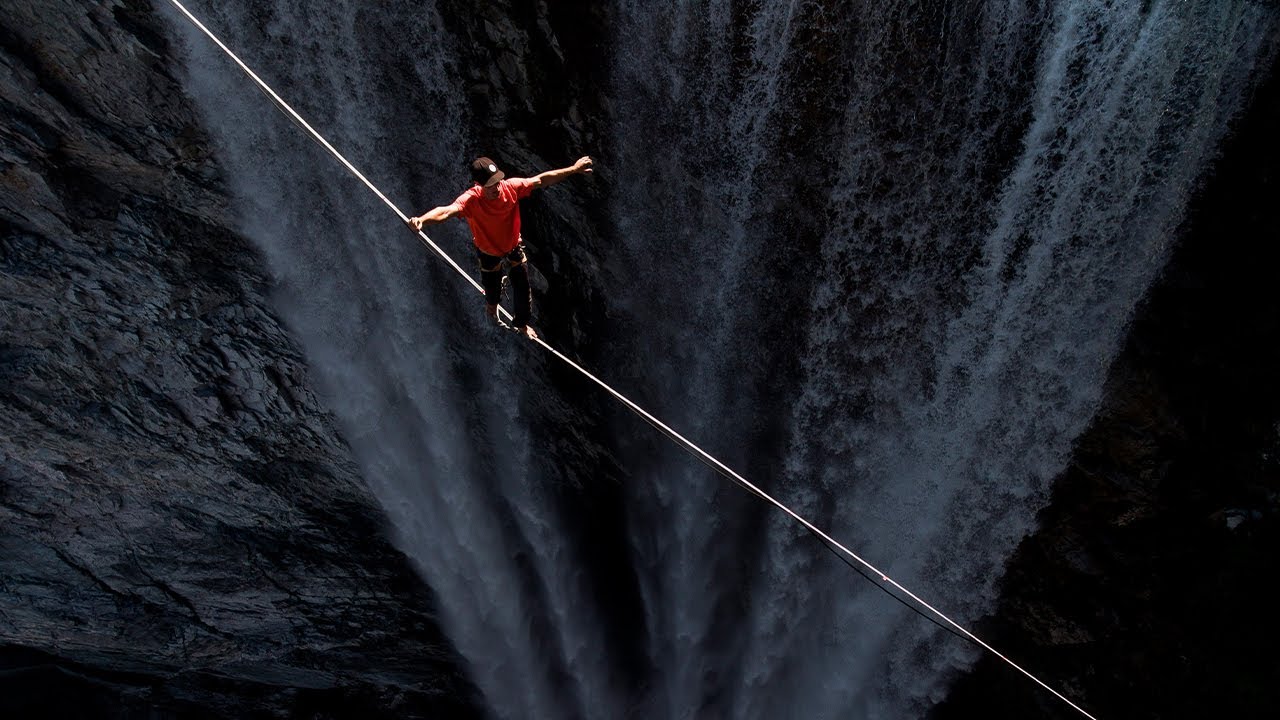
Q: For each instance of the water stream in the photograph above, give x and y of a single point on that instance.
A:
(939, 215)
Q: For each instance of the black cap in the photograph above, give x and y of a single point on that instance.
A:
(485, 171)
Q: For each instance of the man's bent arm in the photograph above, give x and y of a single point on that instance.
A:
(435, 215)
(551, 177)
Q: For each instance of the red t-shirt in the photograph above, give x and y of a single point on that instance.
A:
(495, 224)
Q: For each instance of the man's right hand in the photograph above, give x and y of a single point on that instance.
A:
(435, 215)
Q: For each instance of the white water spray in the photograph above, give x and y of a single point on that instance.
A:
(992, 226)
(424, 407)
(964, 400)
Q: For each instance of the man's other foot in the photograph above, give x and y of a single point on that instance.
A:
(527, 331)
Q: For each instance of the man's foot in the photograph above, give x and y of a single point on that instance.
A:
(527, 331)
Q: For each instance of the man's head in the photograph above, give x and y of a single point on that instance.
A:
(486, 174)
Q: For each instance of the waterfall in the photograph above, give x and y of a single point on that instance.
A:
(687, 223)
(882, 256)
(999, 185)
(390, 334)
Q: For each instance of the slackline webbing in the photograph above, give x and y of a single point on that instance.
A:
(644, 414)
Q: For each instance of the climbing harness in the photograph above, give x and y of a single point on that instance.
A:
(505, 262)
(676, 437)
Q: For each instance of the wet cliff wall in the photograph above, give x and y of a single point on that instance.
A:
(182, 531)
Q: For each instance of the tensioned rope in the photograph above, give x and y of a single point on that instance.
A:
(655, 422)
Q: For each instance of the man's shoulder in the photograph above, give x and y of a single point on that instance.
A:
(467, 196)
(521, 185)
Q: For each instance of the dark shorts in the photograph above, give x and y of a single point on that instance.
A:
(492, 268)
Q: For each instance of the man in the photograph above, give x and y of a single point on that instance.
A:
(492, 210)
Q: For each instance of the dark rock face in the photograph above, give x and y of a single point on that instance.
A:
(183, 531)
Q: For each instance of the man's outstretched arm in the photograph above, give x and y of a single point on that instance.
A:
(435, 215)
(551, 177)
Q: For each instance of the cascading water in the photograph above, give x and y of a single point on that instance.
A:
(908, 235)
(686, 221)
(1002, 188)
(389, 340)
